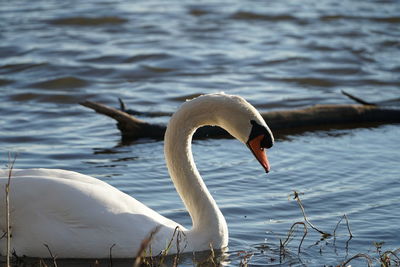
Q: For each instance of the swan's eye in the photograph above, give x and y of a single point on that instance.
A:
(258, 130)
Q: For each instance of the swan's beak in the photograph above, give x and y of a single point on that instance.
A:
(258, 151)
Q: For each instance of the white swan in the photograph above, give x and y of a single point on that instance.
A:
(79, 216)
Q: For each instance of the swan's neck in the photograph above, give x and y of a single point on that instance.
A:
(207, 219)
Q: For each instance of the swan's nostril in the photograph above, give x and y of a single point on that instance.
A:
(267, 141)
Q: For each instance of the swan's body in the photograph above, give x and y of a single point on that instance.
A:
(79, 216)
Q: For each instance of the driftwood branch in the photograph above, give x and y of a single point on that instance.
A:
(131, 128)
(283, 122)
(388, 102)
(358, 100)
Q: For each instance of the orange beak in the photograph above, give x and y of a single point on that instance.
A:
(258, 152)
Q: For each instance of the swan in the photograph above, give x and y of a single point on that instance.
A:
(78, 216)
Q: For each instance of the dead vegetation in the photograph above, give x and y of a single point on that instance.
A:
(11, 162)
(384, 259)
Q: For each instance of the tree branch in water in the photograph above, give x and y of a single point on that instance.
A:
(282, 122)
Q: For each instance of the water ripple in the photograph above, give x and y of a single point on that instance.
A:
(19, 67)
(61, 83)
(249, 16)
(4, 82)
(88, 21)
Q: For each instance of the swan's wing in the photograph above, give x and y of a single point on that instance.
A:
(76, 215)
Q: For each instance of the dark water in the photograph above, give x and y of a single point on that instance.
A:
(155, 54)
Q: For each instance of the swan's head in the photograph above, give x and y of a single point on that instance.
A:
(242, 121)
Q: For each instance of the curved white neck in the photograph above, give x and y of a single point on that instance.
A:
(208, 221)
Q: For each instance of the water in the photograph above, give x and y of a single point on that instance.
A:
(154, 54)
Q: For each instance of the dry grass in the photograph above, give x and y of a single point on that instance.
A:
(290, 236)
(297, 198)
(144, 256)
(385, 259)
(11, 163)
(141, 255)
(53, 257)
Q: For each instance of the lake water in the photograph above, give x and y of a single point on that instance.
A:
(155, 54)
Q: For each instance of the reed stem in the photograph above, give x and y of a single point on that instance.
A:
(8, 223)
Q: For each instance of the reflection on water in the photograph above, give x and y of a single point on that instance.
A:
(155, 54)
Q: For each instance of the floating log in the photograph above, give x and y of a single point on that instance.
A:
(283, 122)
